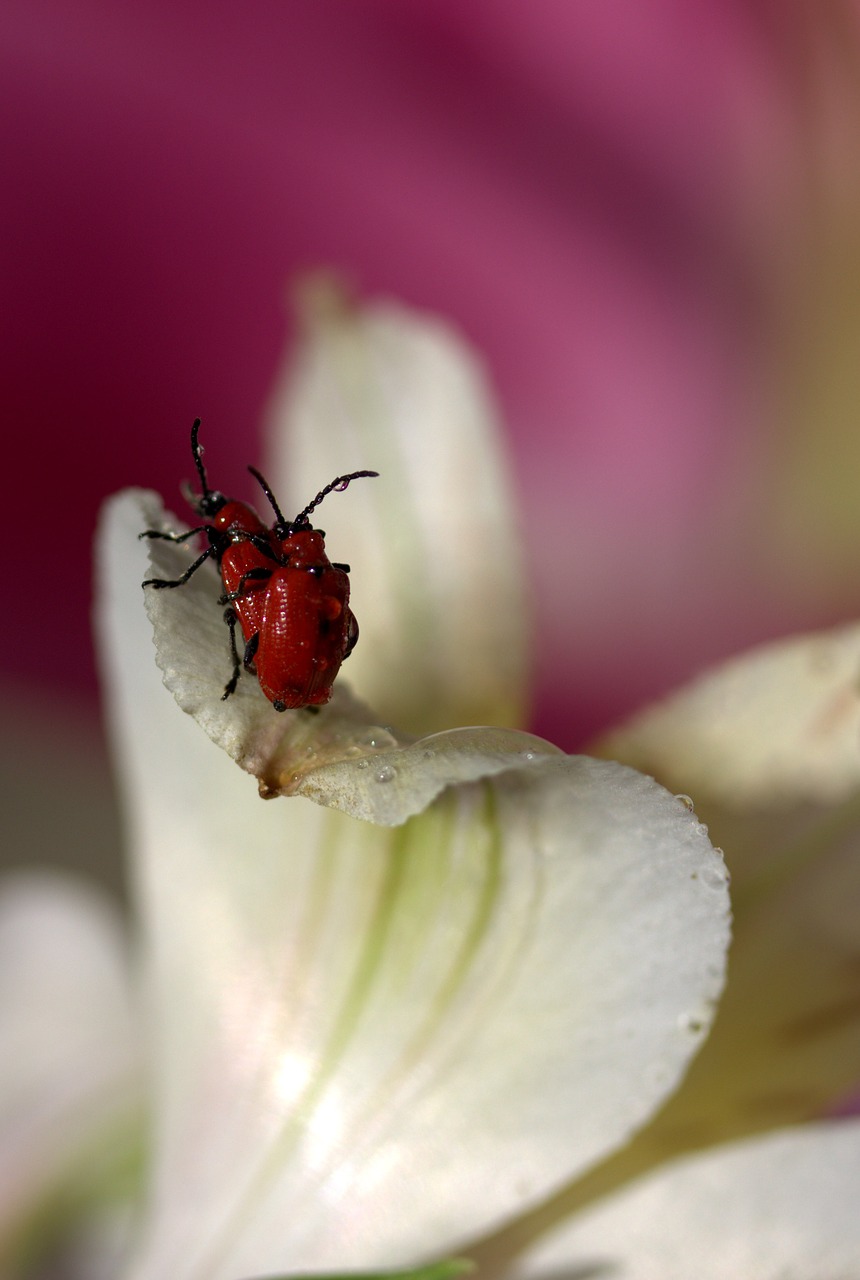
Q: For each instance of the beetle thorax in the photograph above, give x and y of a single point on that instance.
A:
(304, 548)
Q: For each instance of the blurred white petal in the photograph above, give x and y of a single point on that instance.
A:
(69, 1087)
(777, 1208)
(373, 1043)
(768, 746)
(780, 723)
(450, 1269)
(437, 570)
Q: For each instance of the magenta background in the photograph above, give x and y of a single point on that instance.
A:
(590, 191)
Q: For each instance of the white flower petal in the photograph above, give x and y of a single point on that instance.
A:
(447, 1270)
(779, 724)
(68, 1068)
(374, 1042)
(340, 757)
(438, 581)
(769, 747)
(782, 1207)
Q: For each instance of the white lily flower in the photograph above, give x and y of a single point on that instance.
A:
(377, 1041)
(380, 1041)
(424, 996)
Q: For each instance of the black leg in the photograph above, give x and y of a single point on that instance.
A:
(258, 540)
(173, 537)
(259, 574)
(178, 582)
(230, 686)
(250, 651)
(261, 542)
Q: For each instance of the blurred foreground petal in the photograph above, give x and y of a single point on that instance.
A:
(374, 1042)
(434, 544)
(769, 1209)
(69, 1089)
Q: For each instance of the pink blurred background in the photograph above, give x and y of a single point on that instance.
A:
(645, 216)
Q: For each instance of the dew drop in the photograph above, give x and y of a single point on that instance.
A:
(363, 764)
(386, 774)
(687, 802)
(529, 755)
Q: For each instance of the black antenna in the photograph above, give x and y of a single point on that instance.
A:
(197, 452)
(267, 491)
(340, 483)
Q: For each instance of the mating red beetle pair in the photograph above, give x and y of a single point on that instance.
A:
(290, 601)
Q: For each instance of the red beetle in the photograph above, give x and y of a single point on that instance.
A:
(290, 601)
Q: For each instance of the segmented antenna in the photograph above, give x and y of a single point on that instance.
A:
(339, 483)
(268, 492)
(197, 451)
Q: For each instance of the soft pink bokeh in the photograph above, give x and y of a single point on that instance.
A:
(603, 196)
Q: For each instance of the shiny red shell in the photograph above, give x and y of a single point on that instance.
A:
(280, 588)
(239, 556)
(300, 614)
(237, 517)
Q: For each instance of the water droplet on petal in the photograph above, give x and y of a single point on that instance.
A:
(687, 802)
(387, 773)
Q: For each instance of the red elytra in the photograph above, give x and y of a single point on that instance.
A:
(290, 601)
(307, 628)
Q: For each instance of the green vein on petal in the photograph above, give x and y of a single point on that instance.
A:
(401, 960)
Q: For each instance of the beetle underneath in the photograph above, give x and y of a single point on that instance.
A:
(280, 588)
